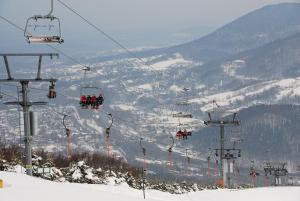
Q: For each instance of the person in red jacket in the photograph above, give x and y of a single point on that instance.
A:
(83, 101)
(93, 102)
(179, 134)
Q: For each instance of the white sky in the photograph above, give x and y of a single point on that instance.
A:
(132, 20)
(115, 14)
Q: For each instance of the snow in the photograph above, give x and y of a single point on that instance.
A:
(159, 162)
(176, 61)
(22, 187)
(284, 88)
(174, 88)
(94, 125)
(145, 87)
(76, 174)
(230, 69)
(124, 107)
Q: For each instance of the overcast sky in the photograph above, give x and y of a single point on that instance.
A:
(142, 13)
(133, 18)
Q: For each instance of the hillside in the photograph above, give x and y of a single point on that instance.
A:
(250, 31)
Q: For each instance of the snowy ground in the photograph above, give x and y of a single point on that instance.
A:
(21, 187)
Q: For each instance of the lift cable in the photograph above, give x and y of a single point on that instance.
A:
(101, 31)
(104, 33)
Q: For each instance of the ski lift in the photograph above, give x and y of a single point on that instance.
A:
(43, 29)
(253, 173)
(91, 96)
(107, 133)
(183, 133)
(170, 149)
(144, 155)
(182, 115)
(208, 162)
(188, 160)
(107, 130)
(209, 158)
(143, 148)
(68, 131)
(172, 145)
(52, 92)
(68, 134)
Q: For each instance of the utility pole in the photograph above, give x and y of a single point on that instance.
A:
(25, 103)
(144, 183)
(222, 123)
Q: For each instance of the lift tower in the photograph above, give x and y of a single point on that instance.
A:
(222, 123)
(25, 103)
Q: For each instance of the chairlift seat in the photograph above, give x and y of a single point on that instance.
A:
(92, 101)
(44, 39)
(35, 31)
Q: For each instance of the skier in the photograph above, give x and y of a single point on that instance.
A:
(179, 134)
(88, 100)
(83, 101)
(100, 99)
(93, 102)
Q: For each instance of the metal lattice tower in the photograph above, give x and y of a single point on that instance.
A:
(24, 102)
(222, 123)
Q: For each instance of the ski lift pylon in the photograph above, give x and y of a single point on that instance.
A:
(188, 159)
(68, 134)
(170, 149)
(47, 35)
(107, 134)
(144, 155)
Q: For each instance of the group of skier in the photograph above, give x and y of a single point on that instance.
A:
(183, 134)
(91, 101)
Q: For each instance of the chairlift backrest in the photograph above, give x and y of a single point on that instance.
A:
(43, 29)
(90, 90)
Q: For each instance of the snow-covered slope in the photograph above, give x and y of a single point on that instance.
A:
(21, 187)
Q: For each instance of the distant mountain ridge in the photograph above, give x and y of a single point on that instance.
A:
(250, 31)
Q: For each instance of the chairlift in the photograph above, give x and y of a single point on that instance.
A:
(68, 134)
(172, 145)
(183, 133)
(107, 134)
(144, 155)
(68, 131)
(52, 92)
(43, 29)
(142, 147)
(107, 129)
(211, 156)
(170, 149)
(91, 97)
(182, 115)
